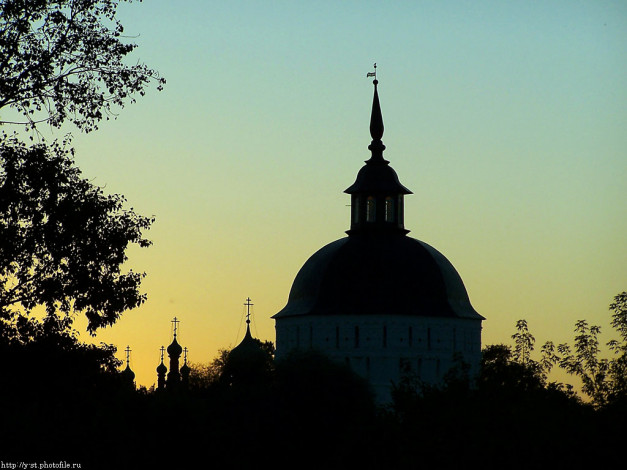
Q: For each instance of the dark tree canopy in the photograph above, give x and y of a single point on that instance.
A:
(64, 60)
(62, 240)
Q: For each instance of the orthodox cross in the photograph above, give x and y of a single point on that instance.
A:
(162, 350)
(128, 354)
(175, 321)
(185, 354)
(248, 305)
(373, 74)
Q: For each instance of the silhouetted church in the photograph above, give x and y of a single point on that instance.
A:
(385, 303)
(177, 378)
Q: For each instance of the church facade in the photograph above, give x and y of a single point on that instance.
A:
(387, 304)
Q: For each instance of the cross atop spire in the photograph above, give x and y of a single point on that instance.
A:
(248, 305)
(128, 354)
(162, 351)
(175, 321)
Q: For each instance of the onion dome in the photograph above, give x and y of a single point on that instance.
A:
(161, 368)
(161, 371)
(249, 350)
(128, 375)
(175, 349)
(246, 363)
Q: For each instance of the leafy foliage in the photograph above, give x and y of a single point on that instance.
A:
(603, 380)
(62, 240)
(63, 60)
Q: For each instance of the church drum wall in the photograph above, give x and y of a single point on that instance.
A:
(383, 348)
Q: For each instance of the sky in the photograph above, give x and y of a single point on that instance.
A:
(507, 120)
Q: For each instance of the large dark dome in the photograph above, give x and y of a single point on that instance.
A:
(378, 274)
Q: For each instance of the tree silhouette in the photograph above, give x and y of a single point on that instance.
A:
(63, 60)
(62, 241)
(604, 380)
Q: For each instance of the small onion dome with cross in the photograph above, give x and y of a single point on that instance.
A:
(175, 349)
(185, 370)
(128, 376)
(247, 360)
(161, 368)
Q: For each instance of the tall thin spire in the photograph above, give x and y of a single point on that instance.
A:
(376, 122)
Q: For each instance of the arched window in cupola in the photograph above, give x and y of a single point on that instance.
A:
(389, 209)
(371, 209)
(356, 209)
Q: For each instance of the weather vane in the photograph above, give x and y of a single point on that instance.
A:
(373, 74)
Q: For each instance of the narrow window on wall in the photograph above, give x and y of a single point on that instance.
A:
(385, 336)
(370, 209)
(356, 336)
(404, 366)
(389, 209)
(399, 209)
(337, 336)
(356, 209)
